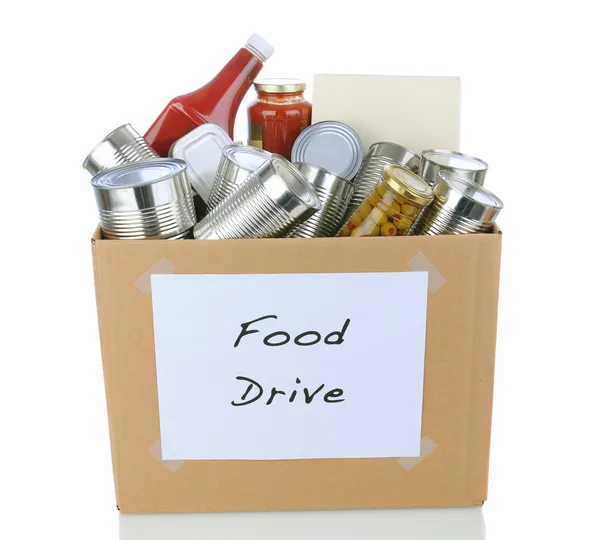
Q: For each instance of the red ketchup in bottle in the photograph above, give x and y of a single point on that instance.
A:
(217, 102)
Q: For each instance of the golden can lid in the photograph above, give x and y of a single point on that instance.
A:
(279, 86)
(407, 184)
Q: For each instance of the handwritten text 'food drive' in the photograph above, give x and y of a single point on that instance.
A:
(254, 391)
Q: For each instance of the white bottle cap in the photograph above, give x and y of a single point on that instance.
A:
(260, 45)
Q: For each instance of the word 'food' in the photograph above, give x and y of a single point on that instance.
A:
(305, 339)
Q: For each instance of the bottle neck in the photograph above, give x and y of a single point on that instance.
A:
(255, 52)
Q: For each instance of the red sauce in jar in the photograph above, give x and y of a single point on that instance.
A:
(278, 115)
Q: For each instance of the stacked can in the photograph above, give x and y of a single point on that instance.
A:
(152, 199)
(460, 207)
(392, 206)
(369, 175)
(334, 192)
(123, 145)
(271, 202)
(237, 163)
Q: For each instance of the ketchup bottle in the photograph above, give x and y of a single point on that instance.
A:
(217, 102)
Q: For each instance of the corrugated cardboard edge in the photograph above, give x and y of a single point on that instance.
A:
(482, 369)
(104, 344)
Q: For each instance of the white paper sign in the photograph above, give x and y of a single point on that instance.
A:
(238, 377)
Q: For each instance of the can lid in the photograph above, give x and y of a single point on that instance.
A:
(454, 160)
(465, 188)
(331, 145)
(278, 86)
(248, 158)
(407, 184)
(141, 173)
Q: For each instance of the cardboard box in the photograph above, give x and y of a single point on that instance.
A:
(457, 402)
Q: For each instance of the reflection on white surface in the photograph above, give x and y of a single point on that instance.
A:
(410, 524)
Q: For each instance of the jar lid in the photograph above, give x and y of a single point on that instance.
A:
(279, 86)
(407, 184)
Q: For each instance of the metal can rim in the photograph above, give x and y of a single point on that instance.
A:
(175, 167)
(430, 152)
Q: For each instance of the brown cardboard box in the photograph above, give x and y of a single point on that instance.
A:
(459, 371)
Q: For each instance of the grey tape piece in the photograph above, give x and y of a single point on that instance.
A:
(421, 263)
(156, 452)
(162, 266)
(427, 446)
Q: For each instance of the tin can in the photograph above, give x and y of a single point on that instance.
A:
(272, 202)
(433, 161)
(151, 199)
(392, 206)
(201, 149)
(378, 156)
(120, 146)
(332, 146)
(334, 193)
(460, 207)
(237, 163)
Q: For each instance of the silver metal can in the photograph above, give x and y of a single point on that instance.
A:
(152, 199)
(331, 145)
(272, 202)
(370, 174)
(460, 207)
(433, 161)
(123, 145)
(334, 192)
(237, 163)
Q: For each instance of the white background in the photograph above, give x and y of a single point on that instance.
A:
(71, 72)
(195, 392)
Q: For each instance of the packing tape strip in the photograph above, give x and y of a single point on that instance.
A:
(421, 263)
(155, 451)
(162, 266)
(427, 446)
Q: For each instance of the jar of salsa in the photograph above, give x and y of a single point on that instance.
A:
(278, 115)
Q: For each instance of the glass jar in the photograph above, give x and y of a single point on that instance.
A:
(278, 115)
(390, 208)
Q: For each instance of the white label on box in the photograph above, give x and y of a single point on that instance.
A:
(290, 366)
